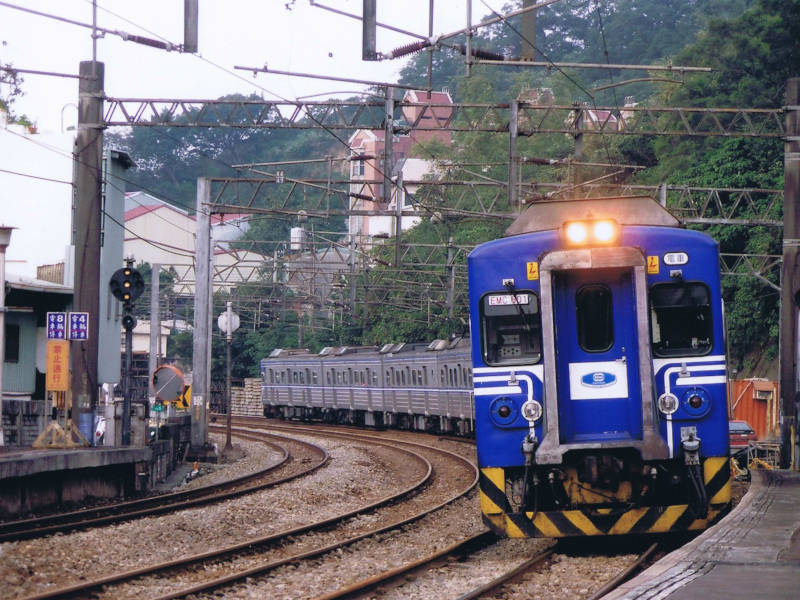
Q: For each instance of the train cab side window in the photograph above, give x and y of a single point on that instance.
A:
(595, 319)
(680, 319)
(511, 327)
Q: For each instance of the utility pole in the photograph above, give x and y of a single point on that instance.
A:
(451, 275)
(790, 277)
(86, 227)
(201, 349)
(580, 118)
(513, 162)
(399, 195)
(368, 31)
(190, 22)
(155, 323)
(528, 31)
(388, 160)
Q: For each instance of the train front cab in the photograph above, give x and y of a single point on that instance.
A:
(634, 441)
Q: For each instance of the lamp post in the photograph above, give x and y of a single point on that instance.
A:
(5, 240)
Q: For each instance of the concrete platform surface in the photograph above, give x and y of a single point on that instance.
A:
(23, 463)
(753, 553)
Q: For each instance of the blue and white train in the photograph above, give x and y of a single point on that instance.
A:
(599, 372)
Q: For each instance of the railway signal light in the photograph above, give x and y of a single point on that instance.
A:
(126, 284)
(128, 322)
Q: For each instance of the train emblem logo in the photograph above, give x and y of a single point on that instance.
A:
(598, 379)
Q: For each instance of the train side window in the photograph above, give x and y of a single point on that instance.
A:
(315, 378)
(594, 313)
(680, 319)
(511, 328)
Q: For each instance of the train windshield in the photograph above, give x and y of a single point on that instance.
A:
(512, 328)
(680, 315)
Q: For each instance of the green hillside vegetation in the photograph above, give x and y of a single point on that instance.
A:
(751, 44)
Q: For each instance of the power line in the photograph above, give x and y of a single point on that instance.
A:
(128, 37)
(35, 177)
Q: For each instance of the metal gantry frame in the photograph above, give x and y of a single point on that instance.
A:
(503, 201)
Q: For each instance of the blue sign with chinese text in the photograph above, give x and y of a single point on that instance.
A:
(56, 326)
(79, 326)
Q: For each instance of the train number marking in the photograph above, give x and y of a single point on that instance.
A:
(652, 265)
(533, 271)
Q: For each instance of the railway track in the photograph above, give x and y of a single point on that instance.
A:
(296, 546)
(391, 583)
(298, 458)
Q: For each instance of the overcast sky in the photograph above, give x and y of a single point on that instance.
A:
(286, 35)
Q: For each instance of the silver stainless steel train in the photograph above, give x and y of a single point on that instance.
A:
(423, 387)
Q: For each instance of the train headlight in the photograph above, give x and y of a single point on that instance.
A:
(576, 232)
(587, 233)
(532, 411)
(605, 231)
(667, 403)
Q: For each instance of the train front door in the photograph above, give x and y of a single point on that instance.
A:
(597, 356)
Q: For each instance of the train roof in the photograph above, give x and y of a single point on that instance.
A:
(625, 210)
(386, 349)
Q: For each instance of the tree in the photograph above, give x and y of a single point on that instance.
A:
(752, 56)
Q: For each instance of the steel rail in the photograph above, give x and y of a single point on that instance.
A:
(507, 577)
(459, 549)
(250, 545)
(153, 505)
(626, 574)
(260, 570)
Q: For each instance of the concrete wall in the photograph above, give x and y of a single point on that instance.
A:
(23, 420)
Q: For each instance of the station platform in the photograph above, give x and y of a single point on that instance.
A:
(753, 553)
(25, 462)
(33, 480)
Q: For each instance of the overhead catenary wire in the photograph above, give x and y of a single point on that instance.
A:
(128, 37)
(326, 128)
(74, 158)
